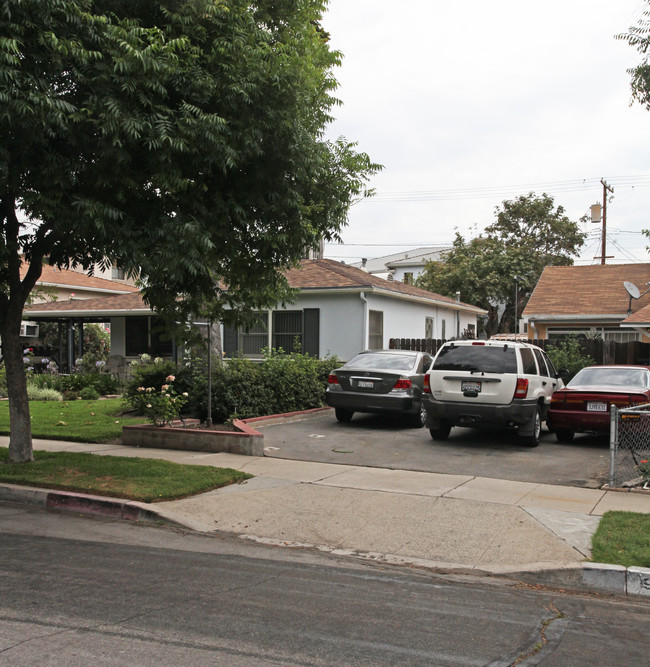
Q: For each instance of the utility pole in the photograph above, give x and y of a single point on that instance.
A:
(606, 187)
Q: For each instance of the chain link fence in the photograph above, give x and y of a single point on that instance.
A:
(629, 444)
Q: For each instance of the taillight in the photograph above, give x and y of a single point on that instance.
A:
(403, 383)
(557, 400)
(427, 384)
(332, 379)
(521, 391)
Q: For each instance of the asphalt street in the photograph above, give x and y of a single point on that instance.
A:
(96, 591)
(384, 442)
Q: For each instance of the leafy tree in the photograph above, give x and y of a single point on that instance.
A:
(638, 36)
(529, 233)
(179, 139)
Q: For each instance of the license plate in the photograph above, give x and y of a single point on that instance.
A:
(596, 406)
(365, 384)
(470, 386)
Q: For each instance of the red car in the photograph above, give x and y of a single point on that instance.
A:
(583, 405)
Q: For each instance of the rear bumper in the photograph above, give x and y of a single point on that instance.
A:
(517, 413)
(578, 422)
(397, 403)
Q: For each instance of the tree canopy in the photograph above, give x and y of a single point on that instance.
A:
(529, 233)
(638, 36)
(181, 140)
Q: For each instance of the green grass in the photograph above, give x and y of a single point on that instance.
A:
(77, 421)
(622, 538)
(147, 480)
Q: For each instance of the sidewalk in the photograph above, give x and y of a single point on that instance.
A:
(451, 523)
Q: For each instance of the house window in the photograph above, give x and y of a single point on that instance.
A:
(146, 335)
(376, 330)
(428, 327)
(408, 277)
(117, 274)
(254, 337)
(287, 330)
(443, 329)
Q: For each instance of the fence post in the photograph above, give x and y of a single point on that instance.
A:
(613, 442)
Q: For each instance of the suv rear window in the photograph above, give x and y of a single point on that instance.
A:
(476, 359)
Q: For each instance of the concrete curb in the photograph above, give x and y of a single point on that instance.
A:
(581, 576)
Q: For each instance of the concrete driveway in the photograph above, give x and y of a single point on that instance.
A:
(370, 440)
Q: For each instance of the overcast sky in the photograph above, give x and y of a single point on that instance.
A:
(468, 103)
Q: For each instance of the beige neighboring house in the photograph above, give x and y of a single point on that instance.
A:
(56, 286)
(591, 301)
(64, 284)
(339, 310)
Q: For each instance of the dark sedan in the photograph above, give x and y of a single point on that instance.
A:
(382, 382)
(583, 405)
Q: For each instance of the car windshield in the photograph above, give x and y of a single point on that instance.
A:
(612, 377)
(397, 362)
(476, 359)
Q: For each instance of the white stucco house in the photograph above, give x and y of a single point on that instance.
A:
(339, 310)
(404, 266)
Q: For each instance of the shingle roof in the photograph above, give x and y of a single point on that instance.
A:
(119, 303)
(640, 318)
(314, 274)
(328, 274)
(66, 278)
(588, 290)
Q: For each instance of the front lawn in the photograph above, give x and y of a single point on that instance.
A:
(146, 480)
(622, 538)
(76, 421)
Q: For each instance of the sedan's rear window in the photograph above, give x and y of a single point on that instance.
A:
(476, 359)
(397, 362)
(611, 377)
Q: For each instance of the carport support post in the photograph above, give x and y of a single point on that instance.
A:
(208, 420)
(613, 442)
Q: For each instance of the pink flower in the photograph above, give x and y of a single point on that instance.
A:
(170, 378)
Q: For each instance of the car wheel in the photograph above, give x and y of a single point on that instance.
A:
(420, 419)
(533, 439)
(342, 415)
(564, 436)
(442, 432)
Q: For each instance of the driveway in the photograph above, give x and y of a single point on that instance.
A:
(376, 441)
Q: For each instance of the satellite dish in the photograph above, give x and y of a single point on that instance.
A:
(632, 289)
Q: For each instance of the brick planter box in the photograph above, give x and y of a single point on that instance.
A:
(241, 440)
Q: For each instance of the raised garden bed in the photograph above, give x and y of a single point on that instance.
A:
(238, 439)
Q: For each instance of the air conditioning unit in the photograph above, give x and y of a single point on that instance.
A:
(28, 330)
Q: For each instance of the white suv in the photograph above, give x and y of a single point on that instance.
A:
(489, 384)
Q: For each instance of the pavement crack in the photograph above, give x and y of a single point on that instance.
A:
(543, 641)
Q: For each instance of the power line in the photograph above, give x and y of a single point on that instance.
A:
(575, 185)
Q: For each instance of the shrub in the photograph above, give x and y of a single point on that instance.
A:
(35, 393)
(280, 383)
(161, 406)
(89, 394)
(567, 354)
(69, 395)
(102, 383)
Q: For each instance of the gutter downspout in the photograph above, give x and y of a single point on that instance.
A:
(364, 328)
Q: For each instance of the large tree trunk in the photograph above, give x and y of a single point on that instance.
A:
(20, 429)
(12, 303)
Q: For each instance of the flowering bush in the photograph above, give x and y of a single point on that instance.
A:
(644, 469)
(160, 407)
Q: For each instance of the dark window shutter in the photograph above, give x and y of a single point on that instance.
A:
(311, 327)
(230, 340)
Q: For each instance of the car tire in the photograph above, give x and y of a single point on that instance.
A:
(533, 439)
(420, 420)
(442, 432)
(564, 436)
(344, 416)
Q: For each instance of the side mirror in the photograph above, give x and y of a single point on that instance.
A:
(563, 374)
